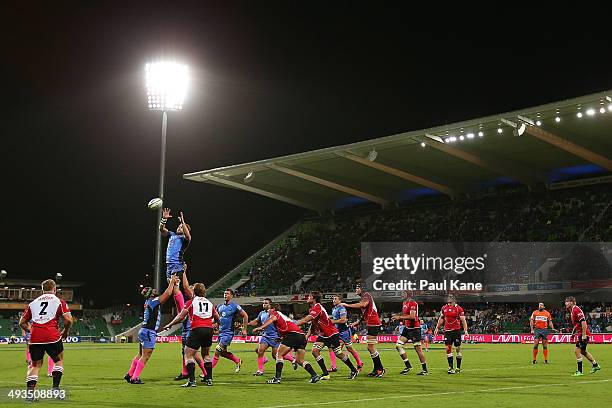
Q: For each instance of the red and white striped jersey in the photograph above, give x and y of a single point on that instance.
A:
(202, 312)
(44, 312)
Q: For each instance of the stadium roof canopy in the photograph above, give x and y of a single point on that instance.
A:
(534, 146)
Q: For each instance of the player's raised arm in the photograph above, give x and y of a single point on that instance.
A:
(186, 287)
(186, 231)
(168, 292)
(164, 220)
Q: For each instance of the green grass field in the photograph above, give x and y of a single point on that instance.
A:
(492, 376)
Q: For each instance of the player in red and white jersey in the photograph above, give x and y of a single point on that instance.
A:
(369, 315)
(412, 332)
(292, 337)
(581, 330)
(453, 317)
(45, 337)
(328, 335)
(202, 314)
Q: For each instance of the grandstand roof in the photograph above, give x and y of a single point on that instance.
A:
(555, 144)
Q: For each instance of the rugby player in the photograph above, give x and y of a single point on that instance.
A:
(202, 313)
(44, 313)
(581, 330)
(148, 332)
(453, 317)
(369, 316)
(328, 335)
(410, 332)
(269, 338)
(340, 319)
(227, 311)
(292, 337)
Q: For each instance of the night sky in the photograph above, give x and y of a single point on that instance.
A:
(80, 151)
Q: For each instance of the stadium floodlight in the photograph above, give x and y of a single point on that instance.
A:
(602, 110)
(461, 138)
(167, 84)
(500, 130)
(579, 114)
(557, 119)
(480, 134)
(590, 112)
(423, 144)
(470, 135)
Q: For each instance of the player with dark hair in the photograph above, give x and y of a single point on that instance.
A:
(539, 321)
(340, 319)
(202, 313)
(227, 311)
(269, 338)
(369, 315)
(148, 332)
(581, 330)
(292, 337)
(453, 316)
(177, 245)
(327, 335)
(44, 313)
(410, 332)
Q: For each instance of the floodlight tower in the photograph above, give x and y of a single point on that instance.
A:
(166, 83)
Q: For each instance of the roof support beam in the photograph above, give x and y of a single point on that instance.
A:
(570, 147)
(479, 161)
(262, 192)
(397, 173)
(328, 184)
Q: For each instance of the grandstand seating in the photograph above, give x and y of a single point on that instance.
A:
(330, 246)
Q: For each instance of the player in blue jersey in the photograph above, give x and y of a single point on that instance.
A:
(426, 335)
(339, 317)
(227, 311)
(177, 245)
(148, 332)
(269, 338)
(185, 330)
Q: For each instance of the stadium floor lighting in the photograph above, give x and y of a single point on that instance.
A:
(166, 83)
(538, 122)
(480, 134)
(470, 135)
(422, 144)
(557, 119)
(590, 112)
(499, 130)
(579, 114)
(602, 110)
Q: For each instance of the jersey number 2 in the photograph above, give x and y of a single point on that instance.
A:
(44, 307)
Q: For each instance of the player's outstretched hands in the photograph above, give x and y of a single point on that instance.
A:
(166, 213)
(182, 218)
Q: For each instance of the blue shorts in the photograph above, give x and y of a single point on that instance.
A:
(147, 338)
(346, 337)
(268, 341)
(429, 337)
(173, 268)
(225, 339)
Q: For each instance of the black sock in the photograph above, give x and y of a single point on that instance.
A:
(279, 369)
(459, 362)
(377, 363)
(191, 370)
(31, 384)
(57, 377)
(349, 363)
(322, 365)
(424, 366)
(579, 366)
(407, 364)
(450, 361)
(595, 364)
(310, 370)
(208, 367)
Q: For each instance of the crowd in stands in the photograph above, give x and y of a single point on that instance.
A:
(329, 248)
